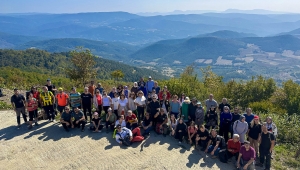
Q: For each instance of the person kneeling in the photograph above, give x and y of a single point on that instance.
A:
(233, 147)
(162, 120)
(202, 138)
(66, 119)
(79, 119)
(125, 136)
(215, 144)
(147, 125)
(246, 157)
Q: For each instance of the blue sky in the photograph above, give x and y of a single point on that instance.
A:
(136, 6)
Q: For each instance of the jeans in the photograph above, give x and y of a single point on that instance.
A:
(82, 123)
(265, 156)
(49, 111)
(254, 144)
(211, 148)
(243, 163)
(33, 114)
(18, 112)
(224, 130)
(133, 126)
(146, 131)
(85, 109)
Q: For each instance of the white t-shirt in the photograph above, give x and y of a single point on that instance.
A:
(140, 100)
(115, 102)
(123, 103)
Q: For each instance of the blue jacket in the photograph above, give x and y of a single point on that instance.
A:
(144, 90)
(225, 118)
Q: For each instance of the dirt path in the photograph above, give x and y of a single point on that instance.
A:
(48, 146)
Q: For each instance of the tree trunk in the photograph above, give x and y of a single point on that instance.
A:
(297, 153)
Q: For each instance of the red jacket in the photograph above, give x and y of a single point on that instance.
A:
(235, 146)
(160, 95)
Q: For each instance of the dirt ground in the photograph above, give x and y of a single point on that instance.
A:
(48, 146)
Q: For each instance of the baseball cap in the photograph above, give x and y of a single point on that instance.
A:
(150, 77)
(60, 88)
(256, 117)
(96, 113)
(198, 102)
(118, 126)
(109, 109)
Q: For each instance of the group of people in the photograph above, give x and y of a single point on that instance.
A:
(132, 114)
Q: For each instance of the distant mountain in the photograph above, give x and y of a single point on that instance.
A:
(11, 41)
(254, 11)
(295, 33)
(138, 30)
(228, 34)
(186, 51)
(110, 50)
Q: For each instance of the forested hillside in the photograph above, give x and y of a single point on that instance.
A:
(39, 61)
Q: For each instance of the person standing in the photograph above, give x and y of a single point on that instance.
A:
(224, 103)
(123, 105)
(156, 87)
(98, 102)
(267, 143)
(141, 82)
(150, 84)
(18, 104)
(240, 127)
(164, 91)
(211, 102)
(106, 102)
(225, 123)
(165, 104)
(86, 103)
(199, 115)
(115, 104)
(235, 116)
(92, 88)
(185, 109)
(52, 89)
(62, 99)
(211, 118)
(32, 106)
(254, 133)
(154, 107)
(75, 98)
(47, 100)
(175, 106)
(131, 103)
(192, 110)
(135, 88)
(112, 92)
(100, 88)
(140, 102)
(249, 115)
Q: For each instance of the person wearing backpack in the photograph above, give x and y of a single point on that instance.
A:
(240, 127)
(215, 144)
(225, 123)
(47, 101)
(267, 143)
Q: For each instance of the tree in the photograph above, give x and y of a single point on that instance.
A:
(117, 74)
(82, 68)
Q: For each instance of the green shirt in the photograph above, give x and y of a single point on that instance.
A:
(185, 110)
(112, 118)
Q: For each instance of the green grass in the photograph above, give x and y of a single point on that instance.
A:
(4, 106)
(285, 158)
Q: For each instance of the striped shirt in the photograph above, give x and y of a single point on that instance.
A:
(75, 99)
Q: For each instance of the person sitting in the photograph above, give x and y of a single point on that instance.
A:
(96, 121)
(66, 119)
(131, 120)
(147, 124)
(246, 157)
(192, 131)
(125, 136)
(120, 121)
(173, 123)
(162, 120)
(181, 130)
(79, 119)
(233, 147)
(110, 120)
(214, 144)
(202, 138)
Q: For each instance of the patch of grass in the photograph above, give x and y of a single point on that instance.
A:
(4, 106)
(285, 158)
